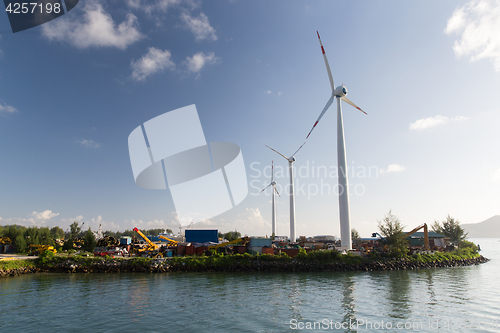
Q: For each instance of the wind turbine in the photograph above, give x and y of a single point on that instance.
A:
(290, 160)
(273, 184)
(340, 92)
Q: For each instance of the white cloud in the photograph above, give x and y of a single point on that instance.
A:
(251, 222)
(269, 92)
(495, 175)
(199, 26)
(395, 168)
(88, 143)
(199, 60)
(430, 122)
(422, 124)
(96, 29)
(44, 216)
(7, 109)
(150, 6)
(478, 23)
(155, 60)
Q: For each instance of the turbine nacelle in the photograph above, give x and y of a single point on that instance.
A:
(340, 91)
(291, 159)
(273, 183)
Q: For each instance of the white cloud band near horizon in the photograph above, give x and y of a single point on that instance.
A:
(430, 122)
(495, 175)
(478, 24)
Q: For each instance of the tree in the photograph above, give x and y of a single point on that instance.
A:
(392, 230)
(354, 234)
(75, 230)
(450, 228)
(57, 233)
(231, 235)
(90, 241)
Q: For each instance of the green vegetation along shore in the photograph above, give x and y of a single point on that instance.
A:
(312, 261)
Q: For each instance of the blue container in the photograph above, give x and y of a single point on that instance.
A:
(125, 240)
(168, 253)
(202, 236)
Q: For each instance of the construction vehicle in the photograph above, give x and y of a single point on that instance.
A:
(426, 234)
(5, 240)
(171, 242)
(151, 250)
(243, 240)
(36, 250)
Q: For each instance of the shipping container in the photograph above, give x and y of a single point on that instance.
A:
(260, 242)
(202, 236)
(126, 240)
(267, 250)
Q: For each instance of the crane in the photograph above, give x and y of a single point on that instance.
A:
(151, 249)
(243, 240)
(171, 242)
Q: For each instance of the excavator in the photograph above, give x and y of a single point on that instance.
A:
(426, 234)
(243, 240)
(151, 250)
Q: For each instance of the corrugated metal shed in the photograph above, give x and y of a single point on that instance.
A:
(260, 242)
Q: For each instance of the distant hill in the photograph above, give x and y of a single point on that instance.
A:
(486, 229)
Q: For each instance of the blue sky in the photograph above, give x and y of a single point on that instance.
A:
(427, 73)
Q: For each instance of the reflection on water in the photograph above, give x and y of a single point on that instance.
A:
(399, 294)
(247, 302)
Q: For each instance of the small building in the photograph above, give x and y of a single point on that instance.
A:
(435, 239)
(257, 243)
(324, 238)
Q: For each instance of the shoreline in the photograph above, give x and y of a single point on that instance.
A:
(89, 265)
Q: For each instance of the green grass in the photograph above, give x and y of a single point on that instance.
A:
(17, 263)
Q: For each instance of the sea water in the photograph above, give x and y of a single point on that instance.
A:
(459, 299)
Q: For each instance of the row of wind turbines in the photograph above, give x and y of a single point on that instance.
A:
(340, 93)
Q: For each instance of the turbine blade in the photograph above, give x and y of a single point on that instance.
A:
(298, 149)
(286, 158)
(265, 188)
(330, 101)
(330, 77)
(352, 104)
(277, 191)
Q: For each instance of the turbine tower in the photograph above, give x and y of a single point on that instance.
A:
(340, 92)
(273, 184)
(290, 160)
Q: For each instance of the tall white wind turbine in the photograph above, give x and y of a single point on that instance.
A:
(273, 184)
(340, 92)
(290, 160)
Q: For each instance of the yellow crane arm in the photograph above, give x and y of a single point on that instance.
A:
(243, 240)
(150, 243)
(171, 241)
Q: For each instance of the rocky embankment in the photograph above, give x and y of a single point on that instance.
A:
(159, 266)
